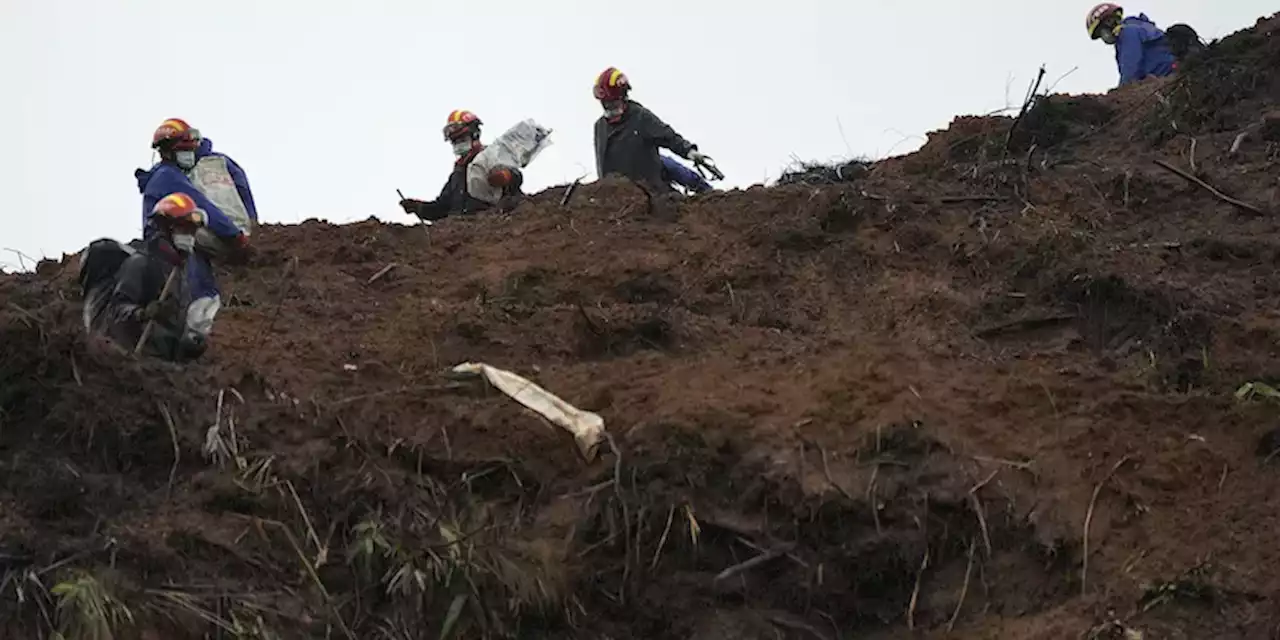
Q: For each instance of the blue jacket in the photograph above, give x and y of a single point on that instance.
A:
(1141, 50)
(674, 171)
(237, 176)
(164, 179)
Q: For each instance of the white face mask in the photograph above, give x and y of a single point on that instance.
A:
(614, 109)
(185, 159)
(461, 148)
(184, 242)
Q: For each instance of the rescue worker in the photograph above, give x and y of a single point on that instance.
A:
(178, 145)
(462, 132)
(139, 297)
(673, 172)
(1142, 51)
(628, 136)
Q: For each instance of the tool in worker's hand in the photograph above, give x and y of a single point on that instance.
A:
(705, 163)
(169, 285)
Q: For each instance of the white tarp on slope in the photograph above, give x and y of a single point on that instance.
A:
(587, 427)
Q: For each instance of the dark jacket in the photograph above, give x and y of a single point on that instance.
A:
(139, 282)
(454, 197)
(629, 147)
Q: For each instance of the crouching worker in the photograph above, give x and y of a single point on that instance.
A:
(1142, 50)
(150, 290)
(462, 132)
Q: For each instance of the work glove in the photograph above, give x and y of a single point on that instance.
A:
(703, 161)
(160, 309)
(242, 251)
(411, 206)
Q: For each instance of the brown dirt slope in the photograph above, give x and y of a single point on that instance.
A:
(864, 404)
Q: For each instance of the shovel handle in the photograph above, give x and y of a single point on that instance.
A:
(164, 293)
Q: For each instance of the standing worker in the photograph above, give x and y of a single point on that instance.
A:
(628, 137)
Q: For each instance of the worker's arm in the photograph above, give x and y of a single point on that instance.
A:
(661, 133)
(171, 180)
(128, 299)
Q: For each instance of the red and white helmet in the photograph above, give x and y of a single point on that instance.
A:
(462, 125)
(177, 210)
(1099, 15)
(611, 84)
(175, 134)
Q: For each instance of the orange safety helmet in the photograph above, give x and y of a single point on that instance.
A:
(611, 84)
(462, 124)
(1100, 14)
(175, 134)
(177, 209)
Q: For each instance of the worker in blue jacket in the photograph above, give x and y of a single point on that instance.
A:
(178, 145)
(674, 172)
(1142, 51)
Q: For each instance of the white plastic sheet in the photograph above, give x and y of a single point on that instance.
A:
(517, 147)
(587, 427)
(213, 179)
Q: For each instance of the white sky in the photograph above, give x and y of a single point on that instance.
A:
(331, 105)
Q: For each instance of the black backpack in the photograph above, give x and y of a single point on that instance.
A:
(1183, 41)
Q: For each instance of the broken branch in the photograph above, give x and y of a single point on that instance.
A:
(381, 272)
(1207, 187)
(1088, 519)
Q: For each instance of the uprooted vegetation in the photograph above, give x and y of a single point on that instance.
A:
(1018, 384)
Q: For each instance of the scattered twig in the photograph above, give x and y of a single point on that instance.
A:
(315, 578)
(285, 285)
(1088, 519)
(321, 551)
(381, 272)
(915, 592)
(1026, 324)
(826, 470)
(1235, 146)
(1223, 480)
(798, 625)
(772, 554)
(173, 433)
(1011, 463)
(981, 512)
(662, 541)
(871, 494)
(1026, 104)
(1191, 156)
(75, 371)
(964, 590)
(1207, 187)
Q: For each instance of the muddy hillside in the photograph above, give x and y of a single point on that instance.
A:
(1015, 385)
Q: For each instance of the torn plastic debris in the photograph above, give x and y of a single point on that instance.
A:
(587, 427)
(516, 147)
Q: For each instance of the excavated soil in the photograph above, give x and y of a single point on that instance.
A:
(986, 390)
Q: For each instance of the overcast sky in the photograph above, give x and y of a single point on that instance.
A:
(331, 105)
